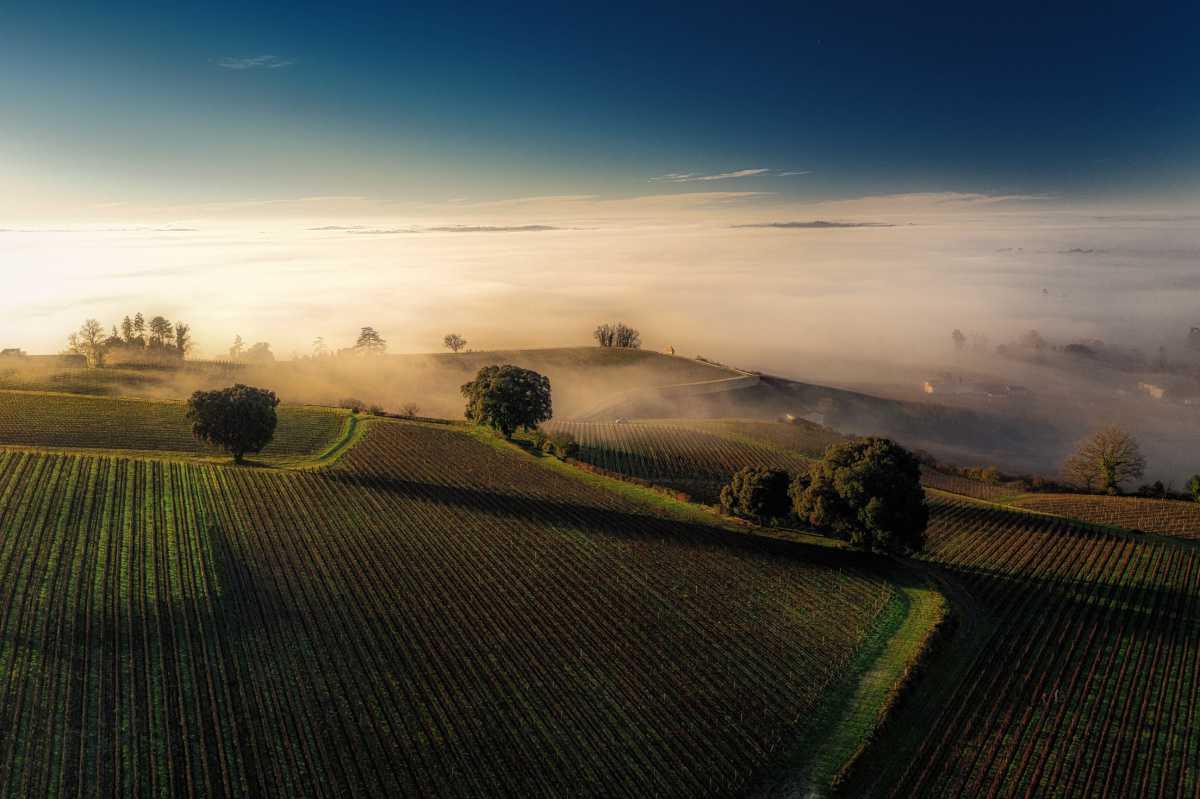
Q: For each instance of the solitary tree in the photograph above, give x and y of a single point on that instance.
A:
(183, 338)
(867, 491)
(89, 342)
(370, 342)
(238, 419)
(235, 351)
(454, 342)
(1105, 460)
(508, 397)
(757, 493)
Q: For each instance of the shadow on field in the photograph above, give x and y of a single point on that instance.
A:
(598, 519)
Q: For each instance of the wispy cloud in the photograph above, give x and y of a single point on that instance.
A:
(690, 177)
(254, 62)
(334, 198)
(816, 224)
(360, 230)
(492, 228)
(795, 172)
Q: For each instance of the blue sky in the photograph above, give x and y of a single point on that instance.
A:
(192, 103)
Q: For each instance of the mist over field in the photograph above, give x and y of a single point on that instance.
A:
(760, 297)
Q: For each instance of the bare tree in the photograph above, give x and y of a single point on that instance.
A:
(617, 335)
(1105, 460)
(604, 334)
(89, 342)
(454, 342)
(239, 346)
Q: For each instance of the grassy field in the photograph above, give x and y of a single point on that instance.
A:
(66, 421)
(433, 614)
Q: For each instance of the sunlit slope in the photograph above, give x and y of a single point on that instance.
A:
(433, 615)
(66, 421)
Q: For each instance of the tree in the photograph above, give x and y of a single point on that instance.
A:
(238, 419)
(183, 338)
(235, 352)
(869, 492)
(454, 342)
(1105, 460)
(259, 352)
(89, 342)
(508, 397)
(161, 332)
(319, 348)
(960, 340)
(139, 327)
(370, 342)
(757, 493)
(1194, 487)
(127, 329)
(617, 335)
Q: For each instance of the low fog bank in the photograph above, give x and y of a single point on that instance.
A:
(869, 309)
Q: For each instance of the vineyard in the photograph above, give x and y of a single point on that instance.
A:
(956, 484)
(695, 457)
(1088, 684)
(1162, 516)
(70, 421)
(431, 616)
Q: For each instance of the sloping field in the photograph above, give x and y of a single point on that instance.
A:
(1088, 683)
(434, 615)
(1162, 516)
(70, 421)
(696, 458)
(956, 484)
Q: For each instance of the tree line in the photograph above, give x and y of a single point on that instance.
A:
(137, 339)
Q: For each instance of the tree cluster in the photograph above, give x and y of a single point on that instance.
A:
(757, 493)
(258, 352)
(508, 397)
(559, 443)
(136, 340)
(617, 335)
(239, 419)
(867, 491)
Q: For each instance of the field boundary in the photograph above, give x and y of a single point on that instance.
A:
(858, 708)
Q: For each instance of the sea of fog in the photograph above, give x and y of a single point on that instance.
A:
(746, 295)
